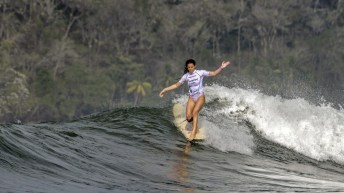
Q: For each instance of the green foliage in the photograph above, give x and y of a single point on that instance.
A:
(14, 101)
(139, 89)
(77, 57)
(44, 84)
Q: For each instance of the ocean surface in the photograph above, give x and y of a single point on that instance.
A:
(254, 143)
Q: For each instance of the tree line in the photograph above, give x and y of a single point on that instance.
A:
(61, 59)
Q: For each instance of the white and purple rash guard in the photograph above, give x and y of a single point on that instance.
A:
(195, 81)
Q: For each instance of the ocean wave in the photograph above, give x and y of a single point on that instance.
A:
(313, 130)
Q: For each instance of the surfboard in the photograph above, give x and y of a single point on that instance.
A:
(183, 126)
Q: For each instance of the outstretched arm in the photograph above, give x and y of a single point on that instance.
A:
(223, 65)
(172, 87)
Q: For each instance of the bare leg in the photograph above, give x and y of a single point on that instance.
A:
(189, 108)
(198, 106)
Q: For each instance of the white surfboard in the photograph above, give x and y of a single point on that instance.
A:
(183, 126)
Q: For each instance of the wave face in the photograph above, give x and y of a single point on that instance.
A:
(254, 143)
(313, 130)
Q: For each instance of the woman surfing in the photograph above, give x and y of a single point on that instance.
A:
(196, 95)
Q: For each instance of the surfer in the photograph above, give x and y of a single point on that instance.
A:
(196, 95)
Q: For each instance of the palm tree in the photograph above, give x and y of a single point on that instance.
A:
(138, 89)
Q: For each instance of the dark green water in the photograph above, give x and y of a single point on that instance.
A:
(140, 150)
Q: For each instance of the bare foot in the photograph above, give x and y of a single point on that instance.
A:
(192, 136)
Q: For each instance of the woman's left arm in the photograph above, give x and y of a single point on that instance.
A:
(223, 65)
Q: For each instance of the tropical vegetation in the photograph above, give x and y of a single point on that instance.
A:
(61, 59)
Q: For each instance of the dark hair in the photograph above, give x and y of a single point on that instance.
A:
(192, 61)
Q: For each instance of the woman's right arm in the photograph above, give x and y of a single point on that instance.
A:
(172, 87)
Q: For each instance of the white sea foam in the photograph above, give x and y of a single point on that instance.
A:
(316, 131)
(222, 132)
